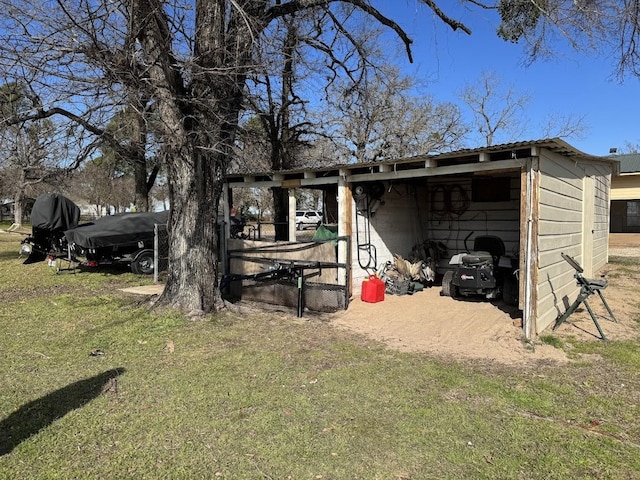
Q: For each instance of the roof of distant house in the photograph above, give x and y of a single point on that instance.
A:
(629, 162)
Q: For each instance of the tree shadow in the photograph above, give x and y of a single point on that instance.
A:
(34, 416)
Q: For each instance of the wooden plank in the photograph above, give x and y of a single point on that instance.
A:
(535, 214)
(496, 166)
(522, 234)
(625, 188)
(553, 213)
(345, 201)
(549, 197)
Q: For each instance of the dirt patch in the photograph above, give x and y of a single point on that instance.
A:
(490, 332)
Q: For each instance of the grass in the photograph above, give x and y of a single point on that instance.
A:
(94, 385)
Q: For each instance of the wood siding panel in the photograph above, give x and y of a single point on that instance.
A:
(480, 218)
(625, 187)
(561, 229)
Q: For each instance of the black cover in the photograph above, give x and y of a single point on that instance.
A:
(53, 211)
(114, 230)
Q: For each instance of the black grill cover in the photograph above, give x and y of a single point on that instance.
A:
(53, 211)
(113, 230)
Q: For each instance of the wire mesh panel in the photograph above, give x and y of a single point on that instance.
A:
(306, 275)
(160, 250)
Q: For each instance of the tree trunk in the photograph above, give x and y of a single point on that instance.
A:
(19, 199)
(194, 193)
(141, 200)
(18, 211)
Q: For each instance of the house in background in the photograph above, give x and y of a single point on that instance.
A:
(625, 195)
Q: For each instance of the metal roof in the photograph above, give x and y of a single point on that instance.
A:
(629, 162)
(471, 155)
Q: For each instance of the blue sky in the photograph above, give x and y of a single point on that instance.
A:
(572, 83)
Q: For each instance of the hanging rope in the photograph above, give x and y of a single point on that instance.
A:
(455, 200)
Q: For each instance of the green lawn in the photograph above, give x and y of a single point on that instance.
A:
(94, 385)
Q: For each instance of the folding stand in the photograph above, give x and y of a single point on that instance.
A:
(588, 287)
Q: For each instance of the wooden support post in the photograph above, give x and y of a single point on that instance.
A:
(345, 200)
(292, 214)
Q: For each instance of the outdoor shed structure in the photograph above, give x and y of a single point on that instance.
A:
(542, 198)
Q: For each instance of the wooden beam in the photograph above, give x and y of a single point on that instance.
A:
(307, 182)
(292, 214)
(345, 201)
(293, 183)
(497, 166)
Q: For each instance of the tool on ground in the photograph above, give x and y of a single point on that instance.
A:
(588, 287)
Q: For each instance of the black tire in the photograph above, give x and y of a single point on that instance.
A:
(510, 290)
(299, 226)
(448, 288)
(142, 262)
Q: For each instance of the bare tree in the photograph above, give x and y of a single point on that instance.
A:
(195, 63)
(28, 149)
(79, 65)
(100, 183)
(499, 113)
(384, 118)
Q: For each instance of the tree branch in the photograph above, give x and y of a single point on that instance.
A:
(280, 10)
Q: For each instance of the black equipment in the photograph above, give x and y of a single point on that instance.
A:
(588, 286)
(484, 271)
(124, 238)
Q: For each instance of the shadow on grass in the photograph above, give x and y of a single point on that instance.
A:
(39, 414)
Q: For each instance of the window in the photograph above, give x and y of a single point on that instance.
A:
(490, 189)
(633, 214)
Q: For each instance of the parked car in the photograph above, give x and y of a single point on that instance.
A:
(308, 218)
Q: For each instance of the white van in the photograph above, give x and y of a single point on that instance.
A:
(308, 218)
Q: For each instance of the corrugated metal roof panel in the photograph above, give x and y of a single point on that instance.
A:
(629, 162)
(459, 156)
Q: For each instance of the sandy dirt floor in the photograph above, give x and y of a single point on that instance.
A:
(484, 331)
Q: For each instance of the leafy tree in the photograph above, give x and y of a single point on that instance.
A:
(611, 28)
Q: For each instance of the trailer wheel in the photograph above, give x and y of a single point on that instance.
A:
(448, 288)
(142, 262)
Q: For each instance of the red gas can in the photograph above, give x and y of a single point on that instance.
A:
(372, 289)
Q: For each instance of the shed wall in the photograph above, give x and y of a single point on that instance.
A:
(450, 223)
(562, 228)
(417, 212)
(602, 176)
(394, 228)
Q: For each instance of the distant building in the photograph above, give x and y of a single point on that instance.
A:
(625, 195)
